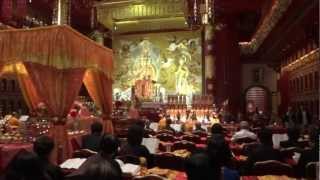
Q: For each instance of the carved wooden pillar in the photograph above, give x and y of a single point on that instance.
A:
(61, 12)
(209, 60)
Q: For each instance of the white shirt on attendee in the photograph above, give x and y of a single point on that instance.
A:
(243, 133)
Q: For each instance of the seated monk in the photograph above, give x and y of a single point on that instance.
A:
(13, 122)
(214, 119)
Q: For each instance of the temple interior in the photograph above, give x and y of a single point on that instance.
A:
(159, 89)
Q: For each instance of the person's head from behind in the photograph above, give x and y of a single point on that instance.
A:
(135, 135)
(140, 123)
(198, 126)
(43, 147)
(217, 129)
(293, 134)
(244, 125)
(168, 121)
(102, 171)
(109, 145)
(218, 150)
(265, 136)
(198, 166)
(96, 128)
(25, 166)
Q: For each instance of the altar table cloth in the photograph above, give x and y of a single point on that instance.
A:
(8, 151)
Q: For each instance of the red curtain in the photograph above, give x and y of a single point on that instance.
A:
(28, 91)
(1, 66)
(283, 86)
(99, 87)
(6, 10)
(21, 9)
(59, 89)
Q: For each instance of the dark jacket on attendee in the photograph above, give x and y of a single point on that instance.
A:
(136, 150)
(299, 117)
(263, 153)
(91, 142)
(287, 144)
(53, 171)
(307, 156)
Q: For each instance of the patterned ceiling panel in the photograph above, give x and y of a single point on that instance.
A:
(141, 15)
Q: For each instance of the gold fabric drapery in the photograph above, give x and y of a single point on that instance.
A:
(59, 87)
(26, 86)
(57, 46)
(55, 59)
(99, 86)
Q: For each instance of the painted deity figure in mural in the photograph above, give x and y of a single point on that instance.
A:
(182, 86)
(144, 67)
(157, 66)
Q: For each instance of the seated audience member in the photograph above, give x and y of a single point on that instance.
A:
(199, 128)
(168, 125)
(187, 127)
(92, 141)
(198, 167)
(108, 150)
(162, 122)
(220, 155)
(133, 112)
(133, 147)
(309, 155)
(244, 132)
(43, 147)
(25, 166)
(103, 170)
(293, 134)
(264, 151)
(217, 129)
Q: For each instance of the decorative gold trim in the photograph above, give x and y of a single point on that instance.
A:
(269, 22)
(301, 61)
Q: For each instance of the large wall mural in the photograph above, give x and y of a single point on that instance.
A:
(171, 61)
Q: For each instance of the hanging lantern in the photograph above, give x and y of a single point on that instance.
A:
(200, 12)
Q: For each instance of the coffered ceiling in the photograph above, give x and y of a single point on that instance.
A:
(124, 16)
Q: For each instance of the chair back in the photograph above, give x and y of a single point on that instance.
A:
(122, 133)
(200, 133)
(289, 152)
(166, 137)
(311, 170)
(165, 131)
(149, 177)
(191, 138)
(272, 167)
(169, 161)
(190, 146)
(129, 159)
(83, 153)
(245, 140)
